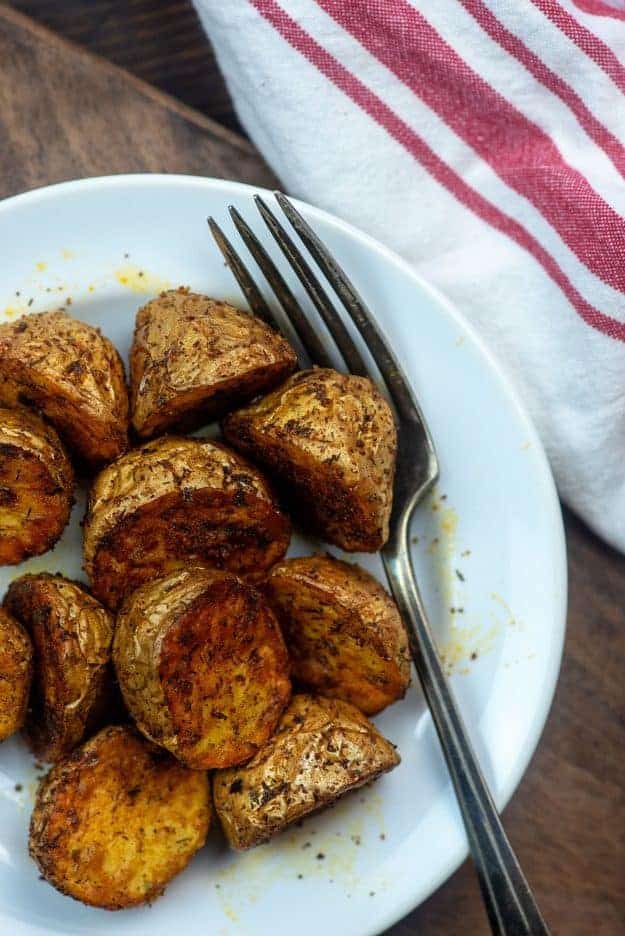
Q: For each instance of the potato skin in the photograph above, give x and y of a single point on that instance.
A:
(322, 749)
(194, 358)
(72, 635)
(202, 666)
(16, 665)
(344, 632)
(36, 486)
(331, 439)
(176, 500)
(73, 375)
(115, 821)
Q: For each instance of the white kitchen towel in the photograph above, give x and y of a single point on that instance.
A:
(483, 140)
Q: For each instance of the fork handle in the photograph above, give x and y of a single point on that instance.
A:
(511, 907)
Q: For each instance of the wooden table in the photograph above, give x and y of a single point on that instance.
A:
(65, 114)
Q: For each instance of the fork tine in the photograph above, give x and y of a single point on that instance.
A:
(399, 388)
(307, 335)
(351, 355)
(243, 277)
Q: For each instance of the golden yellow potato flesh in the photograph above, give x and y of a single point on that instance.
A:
(202, 666)
(36, 486)
(16, 663)
(174, 501)
(116, 820)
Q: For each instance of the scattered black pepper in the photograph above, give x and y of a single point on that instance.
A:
(460, 575)
(474, 655)
(30, 301)
(319, 856)
(371, 893)
(382, 836)
(18, 787)
(300, 876)
(17, 292)
(306, 845)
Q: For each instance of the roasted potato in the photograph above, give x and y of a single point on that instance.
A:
(73, 375)
(345, 635)
(194, 358)
(36, 486)
(331, 439)
(118, 819)
(72, 636)
(172, 501)
(202, 666)
(321, 749)
(16, 664)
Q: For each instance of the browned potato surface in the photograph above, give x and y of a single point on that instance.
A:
(73, 375)
(321, 749)
(16, 655)
(173, 501)
(36, 486)
(331, 439)
(72, 634)
(115, 821)
(202, 666)
(345, 635)
(194, 358)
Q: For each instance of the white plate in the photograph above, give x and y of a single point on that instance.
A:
(490, 542)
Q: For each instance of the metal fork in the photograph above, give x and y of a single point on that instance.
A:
(511, 907)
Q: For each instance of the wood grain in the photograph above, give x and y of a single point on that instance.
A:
(160, 41)
(65, 114)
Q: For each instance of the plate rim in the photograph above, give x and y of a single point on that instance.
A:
(446, 306)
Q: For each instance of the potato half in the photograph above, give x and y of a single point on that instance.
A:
(117, 820)
(36, 486)
(16, 664)
(322, 749)
(331, 439)
(71, 634)
(73, 375)
(345, 635)
(173, 501)
(194, 358)
(202, 666)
